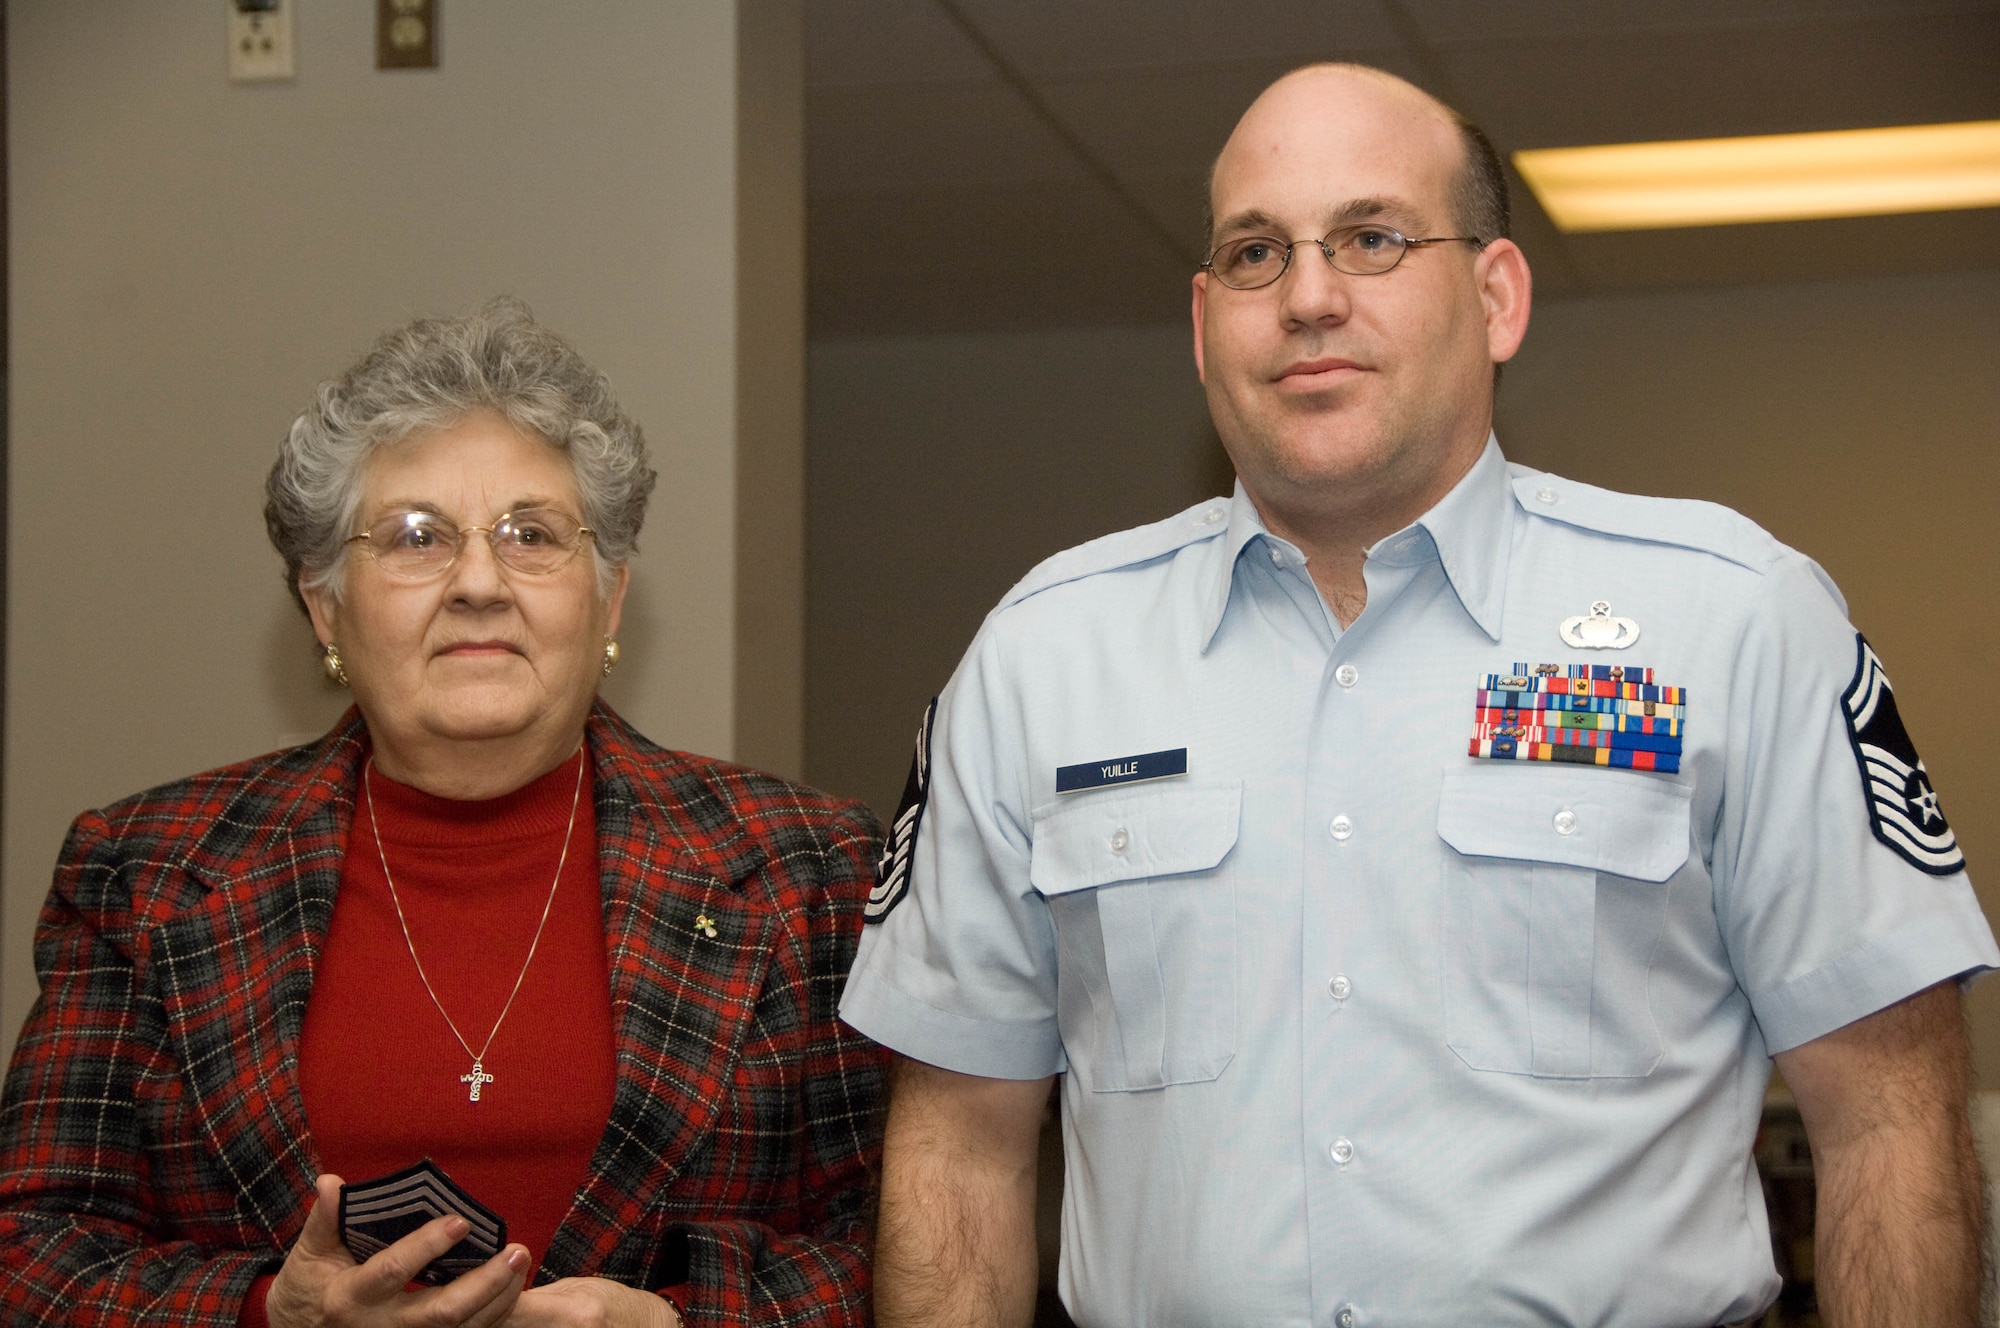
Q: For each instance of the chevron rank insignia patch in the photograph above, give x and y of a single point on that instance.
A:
(1902, 805)
(892, 869)
(375, 1214)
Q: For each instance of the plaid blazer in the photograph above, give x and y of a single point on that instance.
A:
(154, 1155)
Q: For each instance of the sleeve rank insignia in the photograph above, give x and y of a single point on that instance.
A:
(892, 869)
(1586, 714)
(1902, 805)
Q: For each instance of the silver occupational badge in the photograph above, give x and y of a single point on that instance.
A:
(1599, 630)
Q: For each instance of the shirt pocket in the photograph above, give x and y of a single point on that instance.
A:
(1555, 901)
(1145, 925)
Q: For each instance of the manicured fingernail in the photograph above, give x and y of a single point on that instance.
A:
(456, 1226)
(517, 1258)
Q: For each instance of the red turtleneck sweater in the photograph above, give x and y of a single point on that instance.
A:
(378, 1064)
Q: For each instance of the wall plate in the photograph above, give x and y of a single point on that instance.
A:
(260, 41)
(406, 34)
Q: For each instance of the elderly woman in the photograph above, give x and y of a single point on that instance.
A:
(482, 921)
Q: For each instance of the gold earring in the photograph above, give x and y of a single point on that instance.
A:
(610, 655)
(329, 660)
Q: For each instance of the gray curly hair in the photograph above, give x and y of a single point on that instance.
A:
(430, 374)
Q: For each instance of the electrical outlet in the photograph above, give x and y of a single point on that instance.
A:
(260, 41)
(406, 34)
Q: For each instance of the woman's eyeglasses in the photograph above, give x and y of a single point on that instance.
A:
(418, 545)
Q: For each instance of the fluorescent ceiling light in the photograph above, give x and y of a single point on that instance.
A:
(1775, 177)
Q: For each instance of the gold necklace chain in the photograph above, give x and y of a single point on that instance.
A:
(478, 1077)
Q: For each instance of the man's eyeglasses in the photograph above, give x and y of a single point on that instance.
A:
(418, 545)
(1367, 250)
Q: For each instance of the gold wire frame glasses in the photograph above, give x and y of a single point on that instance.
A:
(1367, 250)
(416, 546)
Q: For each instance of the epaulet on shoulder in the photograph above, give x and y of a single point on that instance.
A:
(1688, 523)
(1127, 548)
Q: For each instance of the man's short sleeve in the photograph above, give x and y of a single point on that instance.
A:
(1839, 889)
(957, 966)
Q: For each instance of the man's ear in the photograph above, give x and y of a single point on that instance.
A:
(1200, 302)
(1506, 288)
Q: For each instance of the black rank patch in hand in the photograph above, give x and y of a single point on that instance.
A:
(1902, 805)
(892, 870)
(375, 1214)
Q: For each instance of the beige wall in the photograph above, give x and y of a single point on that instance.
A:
(1860, 421)
(191, 257)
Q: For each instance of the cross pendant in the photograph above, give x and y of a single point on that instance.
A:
(478, 1079)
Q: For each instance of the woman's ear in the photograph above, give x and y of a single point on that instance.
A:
(614, 603)
(322, 608)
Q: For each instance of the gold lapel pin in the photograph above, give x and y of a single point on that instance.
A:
(704, 924)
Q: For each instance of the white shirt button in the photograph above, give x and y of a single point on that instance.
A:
(1211, 516)
(1545, 495)
(1342, 1152)
(1339, 987)
(1347, 675)
(1277, 558)
(1345, 1318)
(1120, 841)
(1340, 828)
(1565, 822)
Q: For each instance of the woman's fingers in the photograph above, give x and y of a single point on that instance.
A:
(321, 1236)
(514, 1261)
(591, 1302)
(297, 1298)
(379, 1286)
(322, 1285)
(389, 1270)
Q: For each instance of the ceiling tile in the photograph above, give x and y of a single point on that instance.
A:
(1789, 250)
(1179, 203)
(983, 258)
(885, 41)
(935, 188)
(1172, 121)
(1442, 21)
(892, 136)
(1711, 83)
(1048, 41)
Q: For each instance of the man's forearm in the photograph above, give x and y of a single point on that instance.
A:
(956, 1241)
(1899, 1229)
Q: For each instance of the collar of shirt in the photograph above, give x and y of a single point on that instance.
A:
(1469, 531)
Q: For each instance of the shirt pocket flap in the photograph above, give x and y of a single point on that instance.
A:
(1605, 820)
(1121, 837)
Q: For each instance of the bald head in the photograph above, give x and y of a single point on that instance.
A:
(1337, 95)
(1349, 395)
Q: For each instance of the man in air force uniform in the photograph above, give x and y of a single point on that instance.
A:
(1413, 863)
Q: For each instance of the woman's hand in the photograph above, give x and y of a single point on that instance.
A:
(591, 1302)
(321, 1284)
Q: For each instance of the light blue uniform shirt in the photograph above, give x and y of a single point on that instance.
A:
(1360, 1029)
